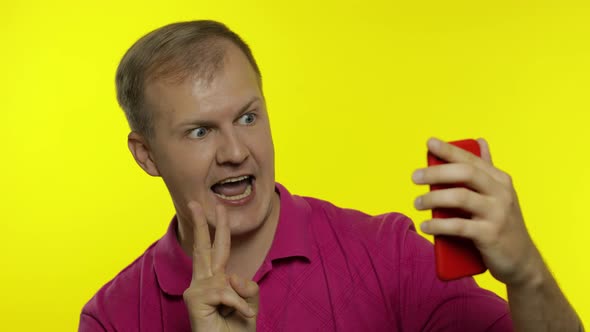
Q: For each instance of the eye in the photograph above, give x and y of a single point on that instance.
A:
(247, 118)
(198, 132)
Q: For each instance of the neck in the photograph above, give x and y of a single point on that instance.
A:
(247, 250)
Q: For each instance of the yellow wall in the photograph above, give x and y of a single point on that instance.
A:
(354, 90)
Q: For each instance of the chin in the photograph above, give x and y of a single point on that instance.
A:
(242, 223)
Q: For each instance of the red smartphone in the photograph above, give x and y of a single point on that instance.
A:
(456, 257)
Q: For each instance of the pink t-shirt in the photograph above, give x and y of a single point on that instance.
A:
(328, 269)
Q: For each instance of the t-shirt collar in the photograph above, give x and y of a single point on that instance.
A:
(173, 267)
(292, 237)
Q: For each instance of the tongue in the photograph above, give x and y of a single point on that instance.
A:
(232, 188)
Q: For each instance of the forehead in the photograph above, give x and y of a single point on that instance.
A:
(230, 86)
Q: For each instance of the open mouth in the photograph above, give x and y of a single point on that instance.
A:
(234, 189)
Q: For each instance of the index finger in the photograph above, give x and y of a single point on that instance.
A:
(454, 154)
(201, 243)
(451, 153)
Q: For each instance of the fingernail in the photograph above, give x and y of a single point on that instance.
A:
(418, 175)
(418, 202)
(433, 143)
(251, 311)
(424, 226)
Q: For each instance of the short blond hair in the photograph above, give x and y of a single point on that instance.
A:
(173, 52)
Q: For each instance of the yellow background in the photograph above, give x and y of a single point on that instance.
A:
(354, 90)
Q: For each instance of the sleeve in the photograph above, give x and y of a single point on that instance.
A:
(90, 324)
(431, 305)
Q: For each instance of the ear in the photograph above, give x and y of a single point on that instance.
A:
(485, 150)
(140, 149)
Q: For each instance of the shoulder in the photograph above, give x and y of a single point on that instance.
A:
(394, 256)
(119, 298)
(358, 237)
(357, 225)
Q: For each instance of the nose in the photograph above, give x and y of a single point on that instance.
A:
(231, 149)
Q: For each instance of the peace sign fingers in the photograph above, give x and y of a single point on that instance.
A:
(222, 244)
(201, 243)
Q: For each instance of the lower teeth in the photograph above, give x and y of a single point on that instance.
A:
(237, 197)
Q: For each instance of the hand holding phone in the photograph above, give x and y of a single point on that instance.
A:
(455, 257)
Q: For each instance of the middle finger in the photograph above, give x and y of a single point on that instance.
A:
(201, 243)
(222, 244)
(465, 174)
(461, 198)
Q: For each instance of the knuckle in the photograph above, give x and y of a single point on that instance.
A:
(493, 234)
(490, 236)
(461, 196)
(201, 251)
(459, 228)
(215, 295)
(505, 198)
(499, 214)
(225, 295)
(506, 178)
(223, 245)
(435, 173)
(462, 229)
(493, 209)
(222, 295)
(255, 287)
(452, 226)
(504, 212)
(469, 171)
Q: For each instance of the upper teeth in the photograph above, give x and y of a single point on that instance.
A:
(234, 179)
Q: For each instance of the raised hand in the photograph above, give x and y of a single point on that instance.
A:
(496, 227)
(215, 301)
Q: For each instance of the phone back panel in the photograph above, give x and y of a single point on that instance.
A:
(456, 257)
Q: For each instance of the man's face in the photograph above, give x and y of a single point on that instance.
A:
(213, 143)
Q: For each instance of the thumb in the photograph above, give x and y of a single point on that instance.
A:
(485, 150)
(247, 289)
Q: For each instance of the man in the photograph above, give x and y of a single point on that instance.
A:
(242, 253)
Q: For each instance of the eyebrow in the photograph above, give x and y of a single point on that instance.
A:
(205, 123)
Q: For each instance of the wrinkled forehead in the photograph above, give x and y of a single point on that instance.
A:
(232, 84)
